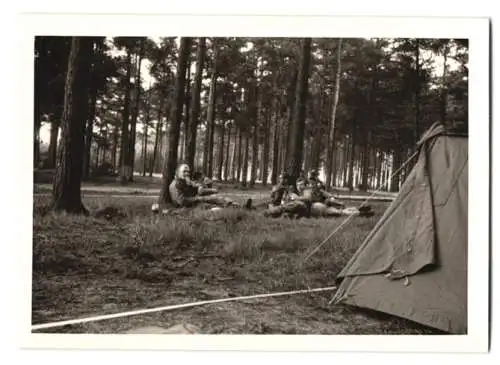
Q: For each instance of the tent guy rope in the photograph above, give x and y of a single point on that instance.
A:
(172, 307)
(350, 217)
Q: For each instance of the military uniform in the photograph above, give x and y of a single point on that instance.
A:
(184, 192)
(285, 199)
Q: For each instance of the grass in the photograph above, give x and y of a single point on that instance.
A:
(84, 266)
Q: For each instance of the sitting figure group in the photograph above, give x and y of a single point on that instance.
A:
(308, 197)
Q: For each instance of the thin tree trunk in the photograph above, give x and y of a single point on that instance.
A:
(89, 132)
(67, 183)
(397, 163)
(276, 141)
(187, 104)
(221, 151)
(135, 114)
(291, 99)
(146, 130)
(347, 152)
(316, 142)
(265, 157)
(209, 138)
(337, 161)
(226, 166)
(246, 157)
(297, 131)
(182, 143)
(157, 137)
(195, 104)
(331, 127)
(307, 154)
(175, 124)
(365, 163)
(211, 121)
(240, 152)
(115, 147)
(352, 157)
(234, 167)
(255, 155)
(124, 160)
(92, 110)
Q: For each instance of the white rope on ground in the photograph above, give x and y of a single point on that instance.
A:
(350, 217)
(171, 307)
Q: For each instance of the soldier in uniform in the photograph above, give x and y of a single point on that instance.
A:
(324, 204)
(285, 200)
(186, 193)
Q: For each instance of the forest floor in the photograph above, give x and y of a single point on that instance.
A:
(86, 266)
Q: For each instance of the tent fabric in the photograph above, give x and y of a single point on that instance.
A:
(413, 264)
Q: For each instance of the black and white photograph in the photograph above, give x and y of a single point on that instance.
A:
(197, 184)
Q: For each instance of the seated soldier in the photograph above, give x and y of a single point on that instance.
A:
(205, 182)
(285, 199)
(321, 194)
(322, 204)
(186, 193)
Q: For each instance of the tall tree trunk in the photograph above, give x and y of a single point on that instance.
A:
(209, 138)
(182, 142)
(297, 128)
(240, 152)
(244, 177)
(316, 147)
(157, 137)
(352, 157)
(115, 147)
(276, 140)
(92, 108)
(347, 153)
(145, 150)
(365, 162)
(337, 161)
(234, 161)
(226, 166)
(135, 114)
(316, 141)
(66, 194)
(291, 100)
(175, 124)
(97, 155)
(89, 132)
(124, 159)
(221, 151)
(255, 114)
(211, 121)
(255, 155)
(331, 127)
(397, 163)
(265, 157)
(308, 154)
(146, 130)
(187, 109)
(195, 104)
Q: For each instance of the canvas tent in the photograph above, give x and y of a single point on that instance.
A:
(413, 264)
